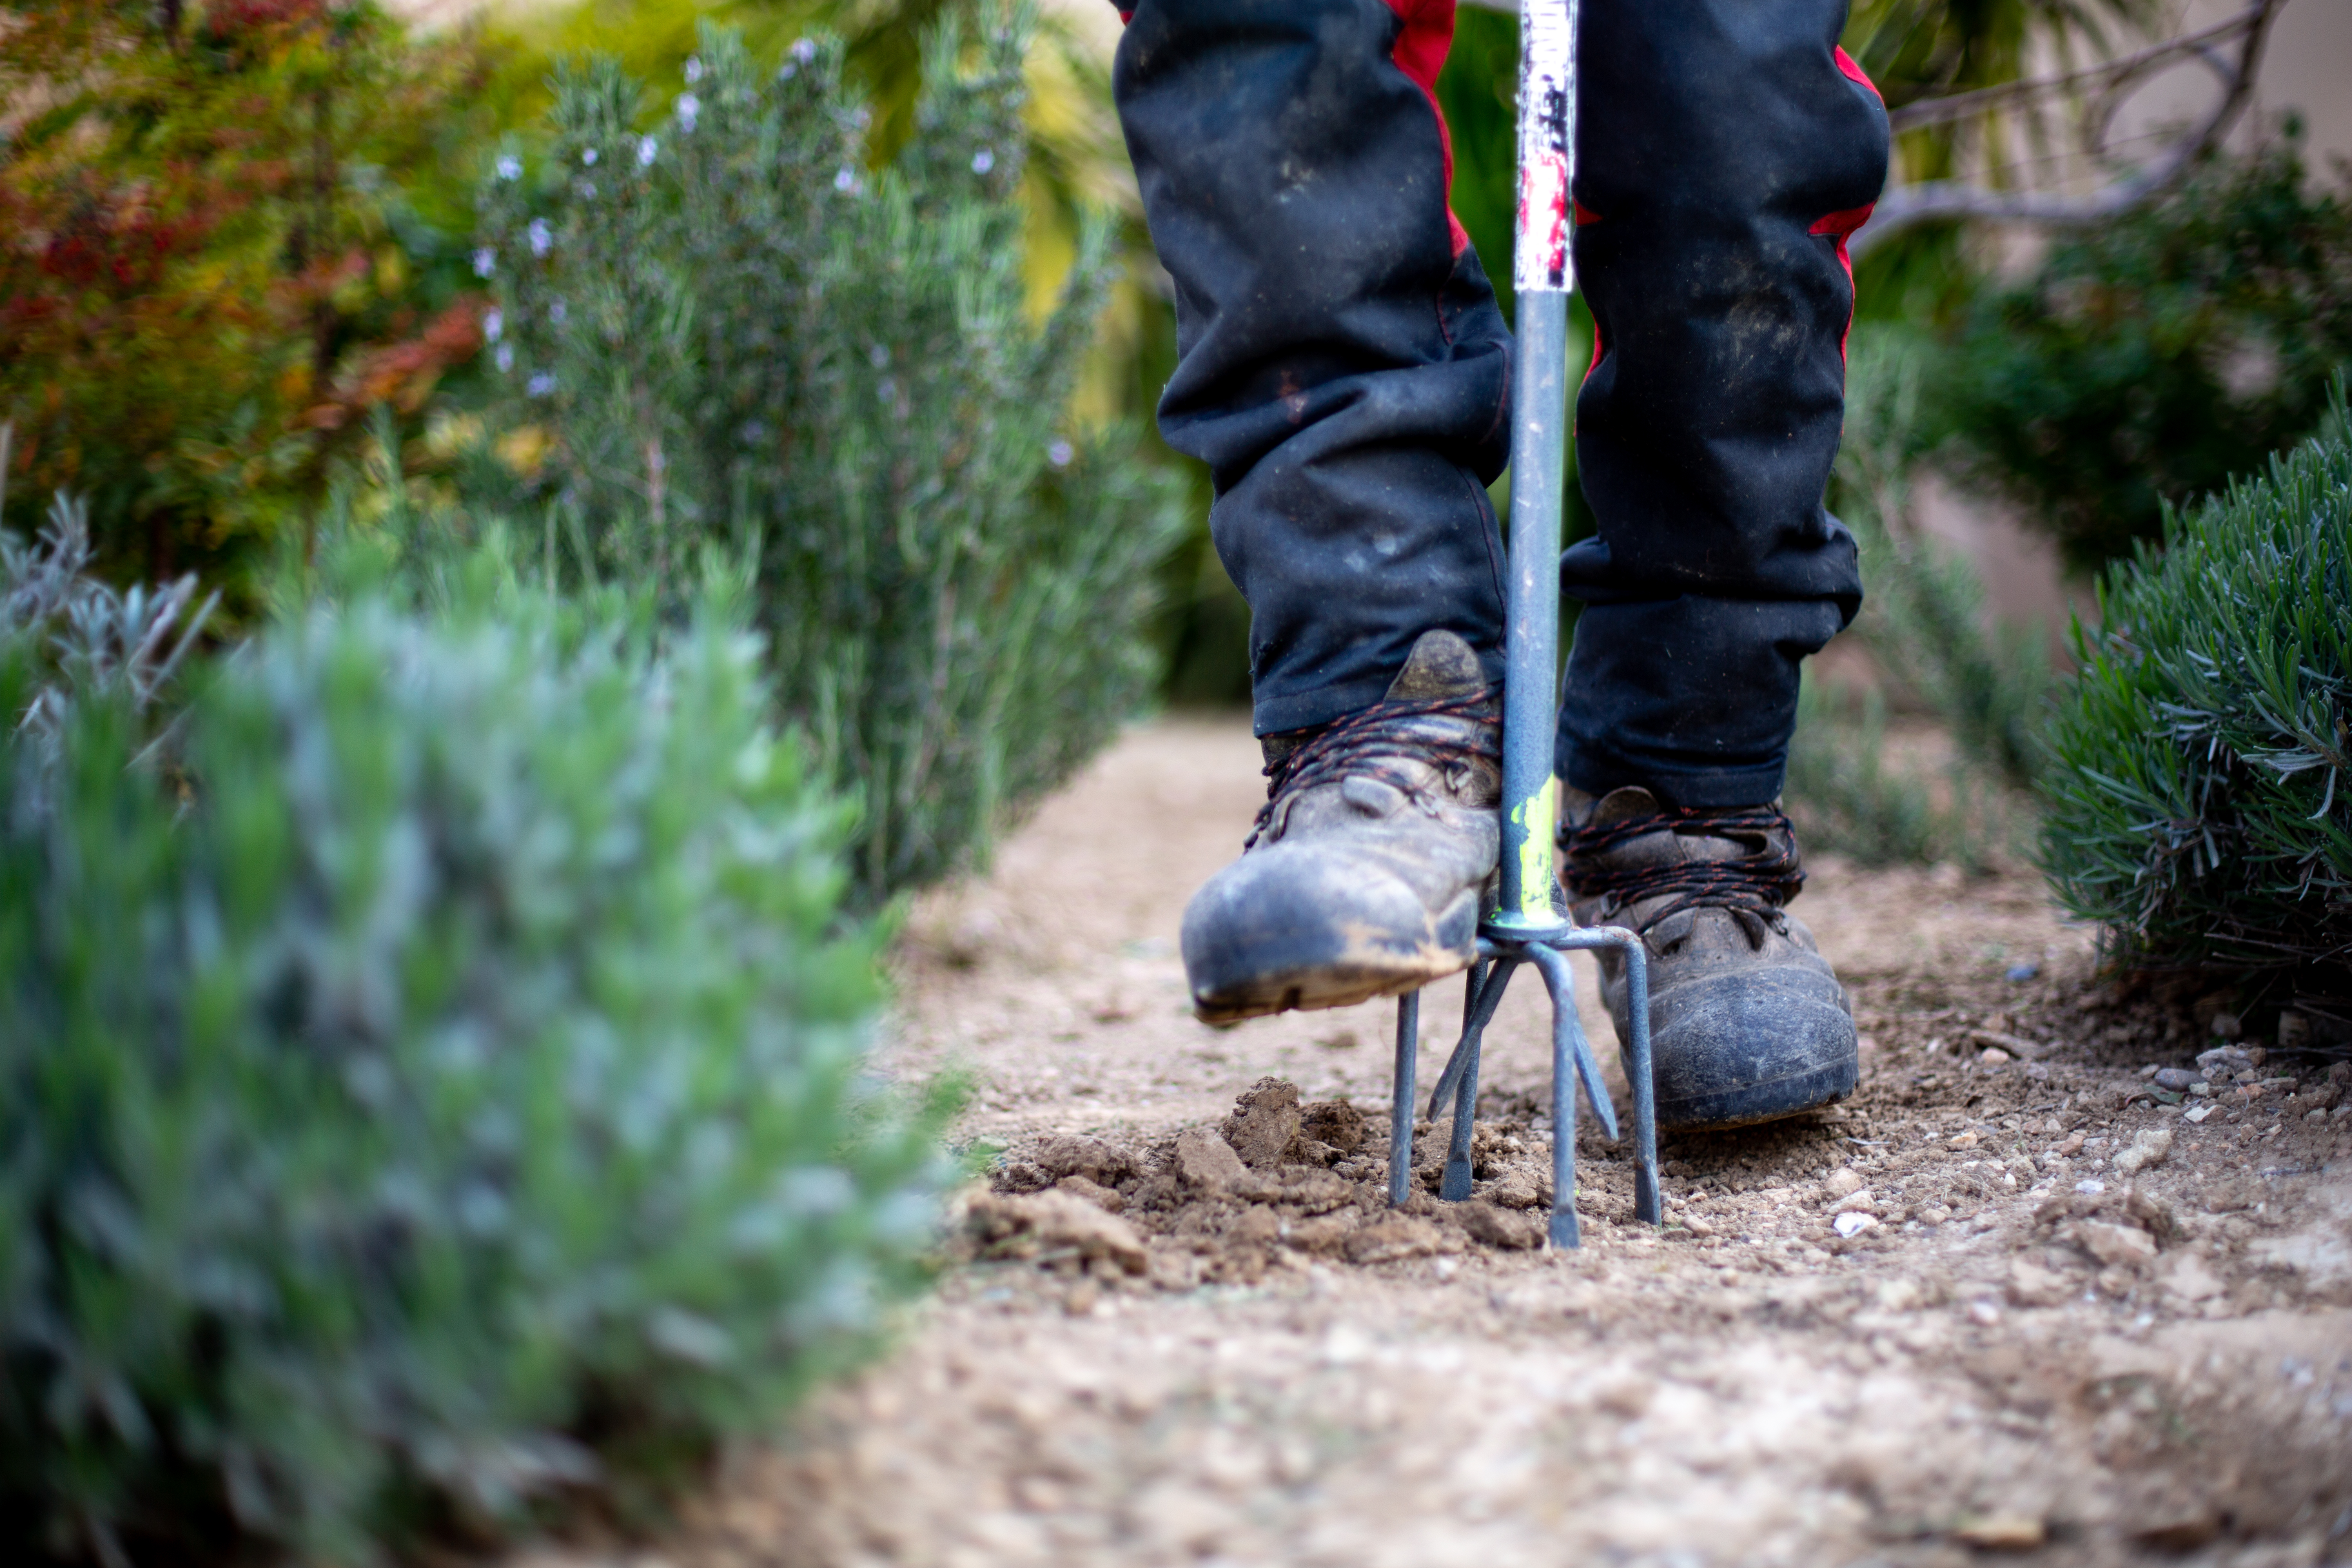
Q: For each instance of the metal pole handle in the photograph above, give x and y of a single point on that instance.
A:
(1542, 274)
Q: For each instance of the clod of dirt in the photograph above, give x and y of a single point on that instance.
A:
(1207, 1165)
(1500, 1226)
(2185, 1533)
(1627, 1396)
(2185, 1275)
(2003, 1532)
(1842, 1181)
(1257, 1226)
(2149, 1148)
(1312, 1191)
(1325, 1234)
(2120, 1246)
(1109, 1199)
(1334, 1122)
(2230, 1194)
(2151, 1214)
(1037, 1224)
(1099, 1162)
(1265, 1123)
(2031, 1285)
(1397, 1236)
(1516, 1189)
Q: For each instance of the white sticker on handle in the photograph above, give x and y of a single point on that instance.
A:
(1546, 144)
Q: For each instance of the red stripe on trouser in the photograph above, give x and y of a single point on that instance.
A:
(1841, 226)
(1846, 64)
(1585, 214)
(1419, 53)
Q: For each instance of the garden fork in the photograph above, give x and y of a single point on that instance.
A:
(1526, 926)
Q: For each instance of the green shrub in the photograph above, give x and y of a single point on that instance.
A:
(2152, 357)
(445, 1094)
(2199, 803)
(729, 331)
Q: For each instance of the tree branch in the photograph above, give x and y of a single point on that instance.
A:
(1906, 206)
(1959, 105)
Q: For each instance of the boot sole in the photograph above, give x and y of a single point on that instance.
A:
(1324, 989)
(1736, 1050)
(1756, 1104)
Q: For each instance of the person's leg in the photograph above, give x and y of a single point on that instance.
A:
(1342, 365)
(1724, 148)
(1344, 372)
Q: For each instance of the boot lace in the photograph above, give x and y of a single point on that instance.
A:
(1375, 743)
(1760, 882)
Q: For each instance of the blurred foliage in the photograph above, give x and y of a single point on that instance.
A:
(200, 281)
(1848, 798)
(234, 226)
(720, 328)
(1924, 622)
(2199, 803)
(1916, 49)
(1929, 642)
(437, 1096)
(2149, 360)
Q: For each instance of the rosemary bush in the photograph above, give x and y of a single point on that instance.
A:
(442, 1096)
(83, 634)
(722, 329)
(2199, 803)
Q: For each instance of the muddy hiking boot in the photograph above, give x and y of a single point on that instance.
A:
(1747, 1021)
(1370, 863)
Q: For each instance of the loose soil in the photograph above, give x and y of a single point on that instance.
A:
(2014, 1297)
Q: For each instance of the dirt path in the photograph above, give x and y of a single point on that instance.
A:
(2023, 1346)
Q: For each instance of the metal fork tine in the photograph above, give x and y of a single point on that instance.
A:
(1571, 1048)
(1596, 1093)
(1456, 1183)
(1476, 1014)
(1408, 1050)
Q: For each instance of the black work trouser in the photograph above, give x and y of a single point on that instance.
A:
(1344, 370)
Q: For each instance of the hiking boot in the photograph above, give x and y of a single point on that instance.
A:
(1366, 873)
(1747, 1022)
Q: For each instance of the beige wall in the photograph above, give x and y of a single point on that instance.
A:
(2307, 66)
